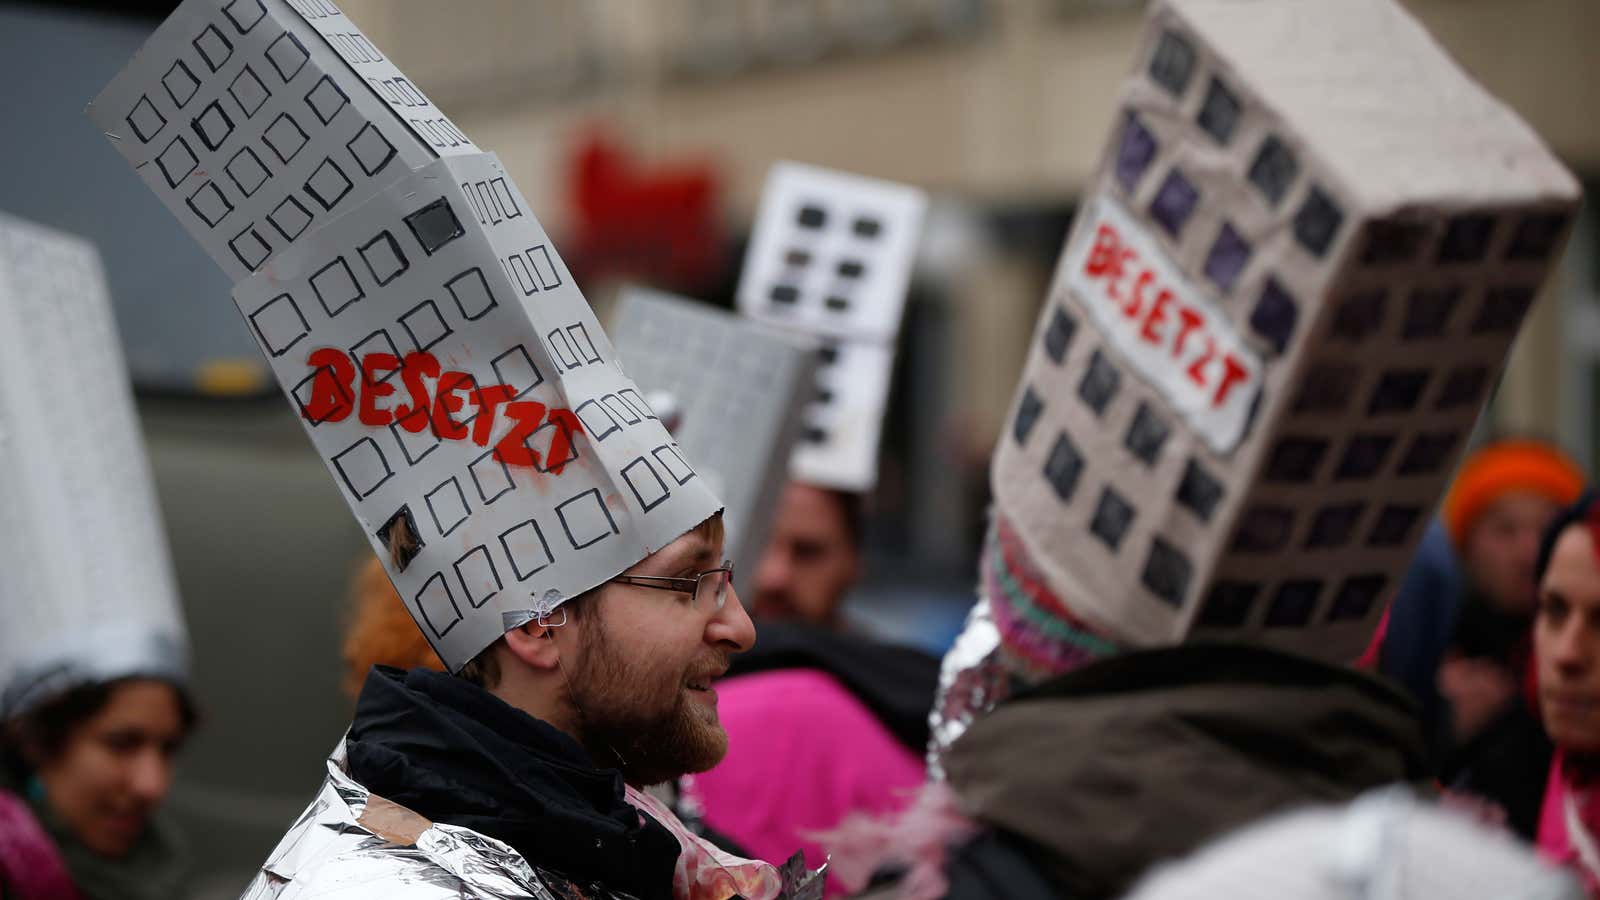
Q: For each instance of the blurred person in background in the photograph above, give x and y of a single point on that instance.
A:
(1566, 637)
(812, 559)
(1472, 631)
(83, 773)
(380, 631)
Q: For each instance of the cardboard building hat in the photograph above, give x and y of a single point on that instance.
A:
(1279, 312)
(830, 256)
(421, 323)
(739, 388)
(87, 593)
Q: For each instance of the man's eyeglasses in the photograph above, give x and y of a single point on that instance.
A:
(709, 589)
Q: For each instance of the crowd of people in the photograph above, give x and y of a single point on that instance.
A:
(1140, 705)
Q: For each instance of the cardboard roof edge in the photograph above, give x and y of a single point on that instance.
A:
(1376, 98)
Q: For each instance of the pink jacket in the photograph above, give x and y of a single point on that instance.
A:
(803, 754)
(30, 866)
(1555, 843)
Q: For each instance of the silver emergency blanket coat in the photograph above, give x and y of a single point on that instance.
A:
(354, 845)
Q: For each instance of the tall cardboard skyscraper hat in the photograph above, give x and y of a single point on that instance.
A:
(739, 389)
(87, 593)
(830, 257)
(1277, 317)
(421, 323)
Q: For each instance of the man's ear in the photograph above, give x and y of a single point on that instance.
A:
(534, 645)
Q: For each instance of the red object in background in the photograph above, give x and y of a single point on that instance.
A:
(656, 223)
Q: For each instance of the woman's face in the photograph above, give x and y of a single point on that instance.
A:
(116, 766)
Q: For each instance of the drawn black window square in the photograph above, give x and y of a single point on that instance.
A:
(1172, 63)
(285, 137)
(851, 268)
(582, 345)
(1296, 459)
(1219, 114)
(1058, 336)
(1147, 433)
(328, 184)
(322, 397)
(1199, 491)
(470, 290)
(561, 349)
(247, 171)
(1334, 525)
(866, 227)
(209, 204)
(621, 409)
(214, 47)
(1398, 391)
(1263, 529)
(336, 286)
(637, 403)
(491, 477)
(288, 56)
(145, 120)
(180, 83)
(673, 462)
(1229, 604)
(371, 150)
(1028, 410)
(479, 578)
(448, 506)
(438, 606)
(1229, 254)
(326, 99)
(1100, 383)
(434, 225)
(1317, 223)
(645, 483)
(1063, 466)
(1134, 154)
(785, 294)
(1112, 516)
(414, 445)
(290, 218)
(1394, 526)
(517, 270)
(585, 519)
(1428, 453)
(506, 203)
(1294, 603)
(811, 217)
(1464, 387)
(837, 304)
(1502, 310)
(1327, 388)
(1174, 202)
(1363, 456)
(249, 92)
(1466, 239)
(1428, 312)
(363, 468)
(177, 161)
(1273, 170)
(376, 342)
(424, 325)
(1391, 242)
(544, 266)
(1536, 236)
(385, 262)
(406, 550)
(527, 549)
(249, 247)
(1360, 315)
(1356, 597)
(213, 125)
(1275, 315)
(279, 324)
(244, 14)
(1167, 572)
(515, 369)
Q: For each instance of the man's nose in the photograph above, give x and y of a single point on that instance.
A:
(151, 775)
(731, 626)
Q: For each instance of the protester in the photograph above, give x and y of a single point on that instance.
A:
(1567, 645)
(813, 556)
(1386, 844)
(1485, 733)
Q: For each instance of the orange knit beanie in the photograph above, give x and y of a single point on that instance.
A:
(1507, 467)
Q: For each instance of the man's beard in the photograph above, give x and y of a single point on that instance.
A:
(649, 740)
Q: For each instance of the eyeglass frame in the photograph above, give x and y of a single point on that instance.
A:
(690, 586)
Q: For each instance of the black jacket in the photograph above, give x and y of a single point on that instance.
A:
(454, 753)
(1098, 774)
